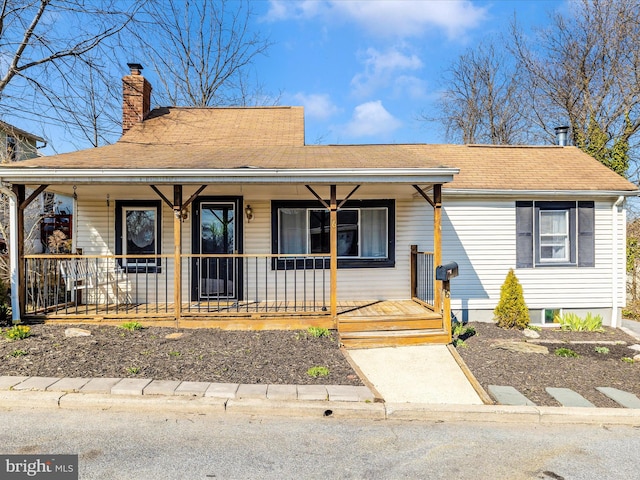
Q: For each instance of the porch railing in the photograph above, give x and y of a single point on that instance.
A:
(423, 276)
(95, 285)
(241, 283)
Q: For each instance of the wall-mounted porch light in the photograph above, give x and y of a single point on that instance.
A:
(248, 212)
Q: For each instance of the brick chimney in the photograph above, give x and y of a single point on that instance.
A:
(136, 97)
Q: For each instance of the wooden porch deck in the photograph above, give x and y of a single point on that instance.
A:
(360, 324)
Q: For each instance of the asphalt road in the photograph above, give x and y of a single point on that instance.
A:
(156, 446)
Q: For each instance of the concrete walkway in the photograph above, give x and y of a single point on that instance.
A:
(425, 374)
(632, 328)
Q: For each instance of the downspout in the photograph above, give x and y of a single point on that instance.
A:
(13, 252)
(614, 263)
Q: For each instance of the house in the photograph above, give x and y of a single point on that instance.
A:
(43, 216)
(224, 217)
(18, 144)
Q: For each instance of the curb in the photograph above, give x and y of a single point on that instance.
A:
(11, 399)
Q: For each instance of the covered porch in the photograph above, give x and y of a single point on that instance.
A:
(242, 286)
(95, 289)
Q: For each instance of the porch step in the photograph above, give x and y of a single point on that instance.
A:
(394, 338)
(405, 322)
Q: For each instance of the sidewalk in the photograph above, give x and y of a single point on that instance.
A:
(125, 395)
(407, 375)
(403, 385)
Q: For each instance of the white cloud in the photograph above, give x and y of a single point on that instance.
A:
(300, 9)
(371, 119)
(408, 86)
(407, 18)
(316, 105)
(380, 69)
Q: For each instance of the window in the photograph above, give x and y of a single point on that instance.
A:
(138, 227)
(555, 234)
(365, 231)
(549, 314)
(12, 148)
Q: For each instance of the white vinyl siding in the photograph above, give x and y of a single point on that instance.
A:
(477, 233)
(480, 236)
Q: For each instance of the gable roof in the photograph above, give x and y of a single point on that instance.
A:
(221, 127)
(18, 132)
(269, 141)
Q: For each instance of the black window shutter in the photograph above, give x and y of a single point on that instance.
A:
(524, 234)
(586, 234)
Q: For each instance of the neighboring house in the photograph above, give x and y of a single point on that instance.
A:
(224, 217)
(51, 211)
(17, 145)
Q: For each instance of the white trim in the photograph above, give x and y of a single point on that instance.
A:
(542, 193)
(614, 262)
(13, 253)
(232, 175)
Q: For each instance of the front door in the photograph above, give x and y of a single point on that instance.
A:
(216, 232)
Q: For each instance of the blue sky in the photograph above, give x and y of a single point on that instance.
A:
(366, 70)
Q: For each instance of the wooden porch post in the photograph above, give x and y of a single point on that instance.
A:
(437, 244)
(18, 243)
(413, 262)
(333, 249)
(177, 252)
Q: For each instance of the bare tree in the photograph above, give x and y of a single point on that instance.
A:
(584, 71)
(88, 106)
(41, 41)
(480, 103)
(203, 51)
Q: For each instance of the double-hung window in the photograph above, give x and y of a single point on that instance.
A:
(365, 231)
(138, 228)
(555, 234)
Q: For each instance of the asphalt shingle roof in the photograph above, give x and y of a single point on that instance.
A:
(273, 138)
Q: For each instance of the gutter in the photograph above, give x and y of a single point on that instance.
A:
(542, 193)
(228, 175)
(13, 252)
(614, 262)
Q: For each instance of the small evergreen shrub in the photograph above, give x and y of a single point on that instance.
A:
(511, 311)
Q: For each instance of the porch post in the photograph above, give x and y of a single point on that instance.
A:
(18, 244)
(177, 251)
(437, 244)
(333, 249)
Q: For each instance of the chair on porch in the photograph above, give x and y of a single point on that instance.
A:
(100, 283)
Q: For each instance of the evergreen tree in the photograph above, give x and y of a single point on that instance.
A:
(511, 311)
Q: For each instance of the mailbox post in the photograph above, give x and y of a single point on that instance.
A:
(445, 273)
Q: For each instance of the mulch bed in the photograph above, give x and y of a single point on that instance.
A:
(283, 357)
(206, 355)
(530, 373)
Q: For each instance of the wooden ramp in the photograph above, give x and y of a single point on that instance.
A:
(391, 323)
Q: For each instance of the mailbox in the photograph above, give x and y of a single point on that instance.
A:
(446, 271)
